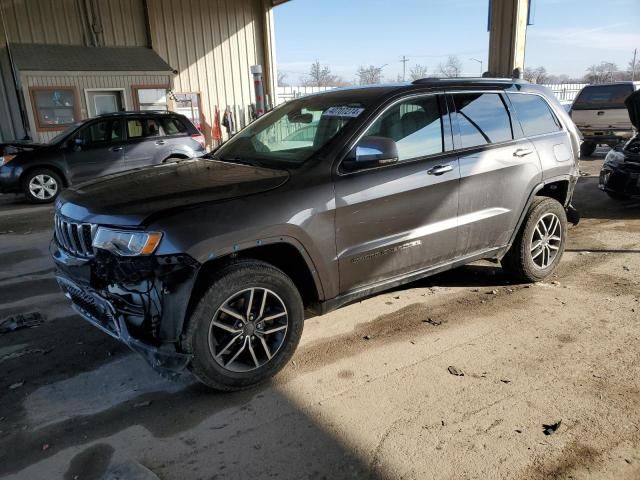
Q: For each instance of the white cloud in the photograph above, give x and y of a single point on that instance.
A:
(602, 38)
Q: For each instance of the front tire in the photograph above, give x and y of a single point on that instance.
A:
(41, 186)
(245, 327)
(538, 247)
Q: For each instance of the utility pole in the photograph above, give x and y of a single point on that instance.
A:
(404, 68)
(633, 65)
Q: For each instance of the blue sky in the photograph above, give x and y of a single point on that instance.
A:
(567, 35)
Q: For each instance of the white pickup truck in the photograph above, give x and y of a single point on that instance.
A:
(601, 116)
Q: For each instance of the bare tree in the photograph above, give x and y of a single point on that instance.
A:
(282, 79)
(602, 73)
(320, 76)
(369, 75)
(418, 71)
(452, 67)
(535, 75)
(633, 68)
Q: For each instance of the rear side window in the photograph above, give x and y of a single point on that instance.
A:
(415, 125)
(534, 114)
(482, 118)
(172, 126)
(599, 97)
(142, 128)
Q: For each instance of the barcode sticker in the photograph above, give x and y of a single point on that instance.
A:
(342, 112)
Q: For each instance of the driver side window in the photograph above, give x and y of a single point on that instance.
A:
(95, 134)
(414, 124)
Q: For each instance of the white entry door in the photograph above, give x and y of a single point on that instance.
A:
(103, 101)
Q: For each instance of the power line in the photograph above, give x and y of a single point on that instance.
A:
(404, 67)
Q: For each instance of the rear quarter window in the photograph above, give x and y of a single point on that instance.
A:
(534, 114)
(600, 97)
(173, 126)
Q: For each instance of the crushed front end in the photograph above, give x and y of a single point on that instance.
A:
(620, 173)
(139, 300)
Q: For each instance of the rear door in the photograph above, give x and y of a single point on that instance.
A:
(600, 108)
(176, 137)
(498, 169)
(540, 125)
(400, 218)
(95, 150)
(145, 142)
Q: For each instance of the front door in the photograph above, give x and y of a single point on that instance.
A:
(100, 102)
(95, 150)
(400, 218)
(497, 173)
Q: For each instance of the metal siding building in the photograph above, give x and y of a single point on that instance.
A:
(204, 47)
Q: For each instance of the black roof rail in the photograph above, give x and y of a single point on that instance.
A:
(135, 112)
(466, 80)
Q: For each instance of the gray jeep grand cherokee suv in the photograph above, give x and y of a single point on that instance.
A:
(211, 264)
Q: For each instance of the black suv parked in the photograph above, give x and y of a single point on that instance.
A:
(92, 148)
(210, 264)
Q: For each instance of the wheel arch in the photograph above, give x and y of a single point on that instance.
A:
(558, 188)
(54, 168)
(286, 255)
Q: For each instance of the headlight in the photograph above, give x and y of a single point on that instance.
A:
(6, 159)
(127, 244)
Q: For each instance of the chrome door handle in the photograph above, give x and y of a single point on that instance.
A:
(159, 142)
(439, 169)
(522, 152)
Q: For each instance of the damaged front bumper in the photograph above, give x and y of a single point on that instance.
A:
(140, 301)
(620, 175)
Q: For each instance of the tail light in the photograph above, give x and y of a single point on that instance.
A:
(198, 137)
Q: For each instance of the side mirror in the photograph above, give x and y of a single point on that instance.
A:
(372, 152)
(78, 143)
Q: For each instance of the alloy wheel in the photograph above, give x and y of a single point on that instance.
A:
(546, 240)
(43, 186)
(248, 330)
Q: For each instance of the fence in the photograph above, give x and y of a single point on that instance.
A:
(284, 94)
(565, 91)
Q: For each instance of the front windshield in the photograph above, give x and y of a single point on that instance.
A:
(64, 133)
(292, 133)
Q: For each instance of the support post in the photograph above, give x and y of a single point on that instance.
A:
(507, 37)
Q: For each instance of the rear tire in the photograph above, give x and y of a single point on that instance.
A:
(41, 186)
(587, 149)
(245, 327)
(540, 243)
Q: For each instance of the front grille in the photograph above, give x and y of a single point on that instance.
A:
(76, 238)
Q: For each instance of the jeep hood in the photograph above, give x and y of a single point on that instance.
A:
(129, 198)
(633, 106)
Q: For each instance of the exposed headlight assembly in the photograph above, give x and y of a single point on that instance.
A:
(126, 243)
(4, 159)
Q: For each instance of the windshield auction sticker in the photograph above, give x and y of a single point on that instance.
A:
(342, 112)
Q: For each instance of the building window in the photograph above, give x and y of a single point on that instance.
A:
(54, 108)
(188, 104)
(150, 98)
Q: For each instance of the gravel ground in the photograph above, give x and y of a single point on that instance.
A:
(369, 394)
